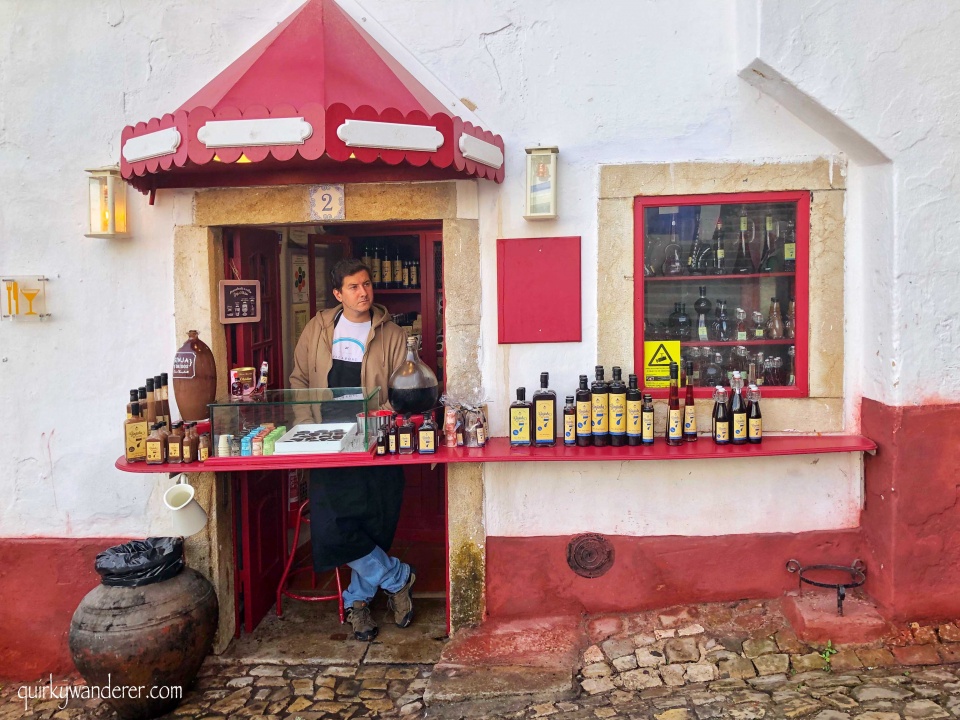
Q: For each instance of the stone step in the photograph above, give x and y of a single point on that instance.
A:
(813, 616)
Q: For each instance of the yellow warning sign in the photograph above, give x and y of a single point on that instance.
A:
(657, 356)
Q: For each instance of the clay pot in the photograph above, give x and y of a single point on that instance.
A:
(155, 636)
(194, 378)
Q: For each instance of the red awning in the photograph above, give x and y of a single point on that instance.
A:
(316, 100)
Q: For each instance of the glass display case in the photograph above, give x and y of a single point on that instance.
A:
(722, 285)
(297, 422)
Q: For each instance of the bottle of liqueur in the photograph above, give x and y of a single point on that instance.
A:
(738, 412)
(386, 270)
(646, 420)
(774, 321)
(406, 437)
(719, 264)
(772, 259)
(702, 306)
(721, 417)
(393, 430)
(584, 414)
(789, 247)
(397, 269)
(134, 399)
(382, 441)
(406, 274)
(375, 265)
(790, 325)
(545, 413)
(723, 326)
(754, 418)
(427, 436)
(634, 408)
(759, 331)
(741, 315)
(600, 409)
(365, 255)
(689, 409)
(683, 324)
(520, 421)
(674, 414)
(414, 273)
(696, 252)
(134, 434)
(792, 361)
(154, 443)
(618, 409)
(570, 421)
(743, 263)
(672, 321)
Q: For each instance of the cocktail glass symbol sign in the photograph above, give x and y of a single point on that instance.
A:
(24, 297)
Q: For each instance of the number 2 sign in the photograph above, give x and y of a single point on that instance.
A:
(326, 202)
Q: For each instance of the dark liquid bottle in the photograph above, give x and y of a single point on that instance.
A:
(738, 412)
(634, 408)
(721, 417)
(789, 247)
(754, 418)
(743, 263)
(406, 438)
(584, 412)
(702, 307)
(683, 324)
(646, 420)
(618, 409)
(570, 421)
(545, 413)
(674, 415)
(382, 441)
(392, 432)
(689, 409)
(600, 409)
(521, 426)
(772, 259)
(723, 325)
(719, 264)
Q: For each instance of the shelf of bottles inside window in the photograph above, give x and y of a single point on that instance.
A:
(721, 279)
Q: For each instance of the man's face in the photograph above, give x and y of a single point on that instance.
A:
(356, 295)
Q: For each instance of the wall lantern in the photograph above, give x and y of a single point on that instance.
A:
(108, 204)
(541, 183)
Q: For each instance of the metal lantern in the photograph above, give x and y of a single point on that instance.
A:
(108, 204)
(541, 183)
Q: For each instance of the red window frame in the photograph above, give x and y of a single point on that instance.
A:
(801, 281)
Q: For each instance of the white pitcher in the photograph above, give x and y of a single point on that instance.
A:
(188, 517)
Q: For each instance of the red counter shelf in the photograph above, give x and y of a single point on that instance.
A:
(499, 450)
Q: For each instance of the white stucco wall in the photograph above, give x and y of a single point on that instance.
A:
(625, 82)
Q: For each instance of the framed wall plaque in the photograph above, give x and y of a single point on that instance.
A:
(239, 301)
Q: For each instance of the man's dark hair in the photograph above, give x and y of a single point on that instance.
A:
(345, 267)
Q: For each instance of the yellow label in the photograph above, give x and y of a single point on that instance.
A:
(769, 223)
(618, 414)
(657, 356)
(135, 436)
(519, 426)
(569, 429)
(204, 454)
(599, 413)
(689, 419)
(741, 335)
(743, 223)
(481, 436)
(720, 254)
(721, 432)
(546, 427)
(188, 456)
(758, 333)
(756, 427)
(790, 251)
(375, 267)
(426, 441)
(646, 422)
(739, 426)
(674, 428)
(634, 408)
(405, 441)
(173, 450)
(583, 417)
(386, 271)
(392, 443)
(154, 451)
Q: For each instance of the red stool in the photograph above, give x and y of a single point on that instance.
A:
(303, 516)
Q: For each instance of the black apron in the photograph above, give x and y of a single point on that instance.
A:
(352, 510)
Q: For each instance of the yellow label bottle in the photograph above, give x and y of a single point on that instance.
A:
(633, 418)
(674, 426)
(569, 429)
(545, 413)
(520, 426)
(618, 414)
(600, 414)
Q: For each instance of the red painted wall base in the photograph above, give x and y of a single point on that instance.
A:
(42, 581)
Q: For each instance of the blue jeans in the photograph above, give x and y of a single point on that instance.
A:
(372, 571)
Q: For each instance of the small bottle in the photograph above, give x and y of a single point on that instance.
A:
(481, 430)
(264, 374)
(702, 306)
(674, 415)
(584, 411)
(759, 330)
(646, 420)
(741, 331)
(738, 411)
(721, 417)
(188, 450)
(406, 440)
(427, 436)
(175, 444)
(203, 447)
(600, 409)
(154, 445)
(754, 418)
(520, 421)
(545, 413)
(683, 324)
(381, 441)
(618, 409)
(689, 409)
(392, 435)
(134, 435)
(723, 324)
(570, 421)
(634, 408)
(236, 387)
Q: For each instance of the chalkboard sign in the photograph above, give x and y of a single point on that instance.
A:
(239, 301)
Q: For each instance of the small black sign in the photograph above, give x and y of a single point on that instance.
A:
(239, 301)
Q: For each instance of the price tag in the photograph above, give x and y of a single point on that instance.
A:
(326, 202)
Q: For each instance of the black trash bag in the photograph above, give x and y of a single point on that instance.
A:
(140, 562)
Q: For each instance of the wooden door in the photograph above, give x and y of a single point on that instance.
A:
(252, 254)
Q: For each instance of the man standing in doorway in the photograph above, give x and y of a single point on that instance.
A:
(354, 511)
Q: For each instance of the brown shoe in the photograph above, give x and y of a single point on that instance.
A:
(401, 602)
(364, 628)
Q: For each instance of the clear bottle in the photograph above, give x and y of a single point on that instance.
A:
(738, 411)
(792, 370)
(634, 408)
(584, 412)
(427, 435)
(719, 264)
(520, 421)
(545, 413)
(706, 357)
(743, 263)
(723, 325)
(721, 417)
(790, 325)
(600, 409)
(774, 321)
(769, 376)
(646, 420)
(778, 371)
(618, 409)
(406, 437)
(759, 329)
(754, 417)
(689, 409)
(570, 421)
(741, 330)
(674, 414)
(702, 307)
(771, 259)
